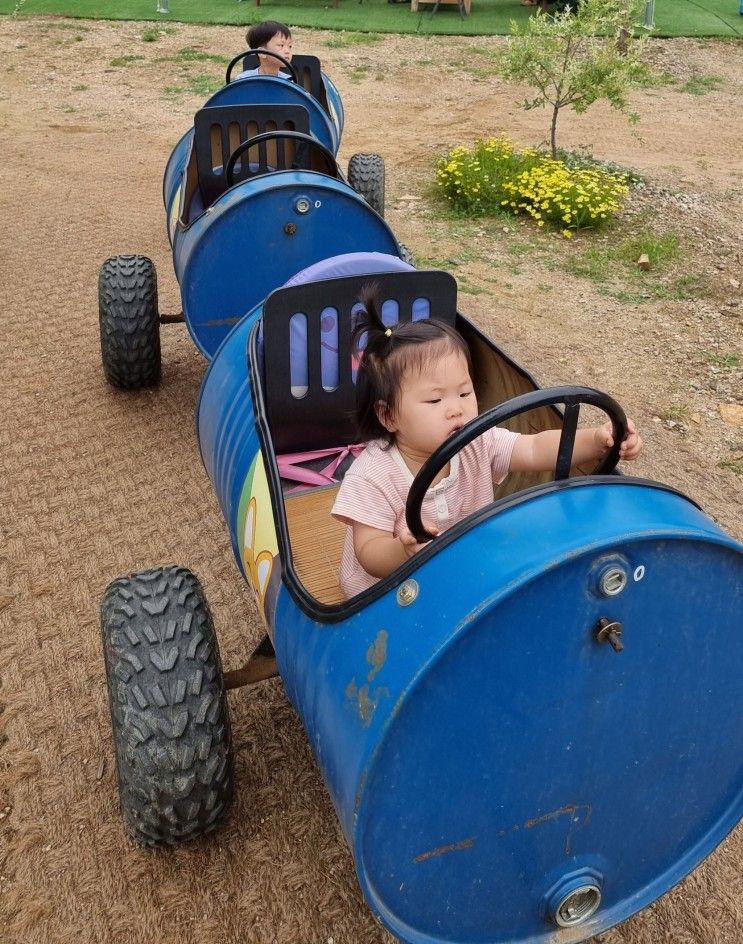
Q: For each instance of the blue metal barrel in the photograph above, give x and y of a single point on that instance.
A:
(263, 90)
(267, 90)
(490, 760)
(225, 424)
(335, 105)
(258, 90)
(499, 773)
(173, 178)
(257, 235)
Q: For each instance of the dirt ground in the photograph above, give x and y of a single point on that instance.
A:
(97, 484)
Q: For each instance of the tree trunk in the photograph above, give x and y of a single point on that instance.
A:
(553, 132)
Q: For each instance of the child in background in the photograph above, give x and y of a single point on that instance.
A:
(275, 37)
(414, 390)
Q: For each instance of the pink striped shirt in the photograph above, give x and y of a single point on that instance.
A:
(375, 489)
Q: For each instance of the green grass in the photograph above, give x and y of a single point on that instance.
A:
(610, 262)
(728, 361)
(345, 40)
(359, 72)
(676, 414)
(204, 84)
(201, 84)
(187, 58)
(120, 61)
(735, 465)
(65, 26)
(677, 290)
(701, 84)
(437, 262)
(660, 249)
(194, 55)
(151, 34)
(476, 61)
(649, 79)
(601, 262)
(520, 249)
(489, 17)
(612, 265)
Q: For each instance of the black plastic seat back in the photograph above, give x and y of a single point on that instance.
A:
(309, 73)
(219, 129)
(318, 418)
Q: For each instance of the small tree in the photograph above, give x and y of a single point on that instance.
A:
(587, 51)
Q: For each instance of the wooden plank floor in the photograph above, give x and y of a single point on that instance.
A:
(317, 542)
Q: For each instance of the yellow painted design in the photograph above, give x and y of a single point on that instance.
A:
(175, 208)
(259, 545)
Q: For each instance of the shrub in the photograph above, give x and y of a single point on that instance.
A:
(493, 177)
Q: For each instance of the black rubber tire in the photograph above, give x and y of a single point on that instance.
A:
(168, 706)
(129, 322)
(366, 176)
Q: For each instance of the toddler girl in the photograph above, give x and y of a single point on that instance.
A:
(413, 391)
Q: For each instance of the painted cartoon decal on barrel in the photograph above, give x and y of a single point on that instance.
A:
(259, 547)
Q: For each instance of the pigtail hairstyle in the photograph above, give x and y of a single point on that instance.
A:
(389, 352)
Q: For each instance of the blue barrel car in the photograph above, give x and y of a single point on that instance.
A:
(530, 730)
(253, 193)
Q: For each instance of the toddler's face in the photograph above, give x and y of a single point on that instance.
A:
(433, 404)
(282, 45)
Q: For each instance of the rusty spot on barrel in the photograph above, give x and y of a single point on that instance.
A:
(366, 705)
(376, 654)
(364, 699)
(574, 814)
(442, 850)
(569, 808)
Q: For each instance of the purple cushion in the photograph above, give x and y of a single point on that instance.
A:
(336, 267)
(350, 263)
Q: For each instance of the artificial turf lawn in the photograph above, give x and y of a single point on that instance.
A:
(489, 17)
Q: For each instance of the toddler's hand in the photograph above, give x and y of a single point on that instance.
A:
(631, 446)
(409, 543)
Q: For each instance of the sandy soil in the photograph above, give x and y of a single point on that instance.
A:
(99, 484)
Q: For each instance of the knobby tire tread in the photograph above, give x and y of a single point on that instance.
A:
(366, 176)
(168, 706)
(129, 322)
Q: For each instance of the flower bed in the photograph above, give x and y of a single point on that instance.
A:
(494, 177)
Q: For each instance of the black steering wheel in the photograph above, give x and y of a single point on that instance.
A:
(264, 52)
(306, 142)
(572, 397)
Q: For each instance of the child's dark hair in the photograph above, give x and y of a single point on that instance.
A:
(261, 33)
(391, 351)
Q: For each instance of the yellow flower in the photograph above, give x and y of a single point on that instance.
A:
(567, 233)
